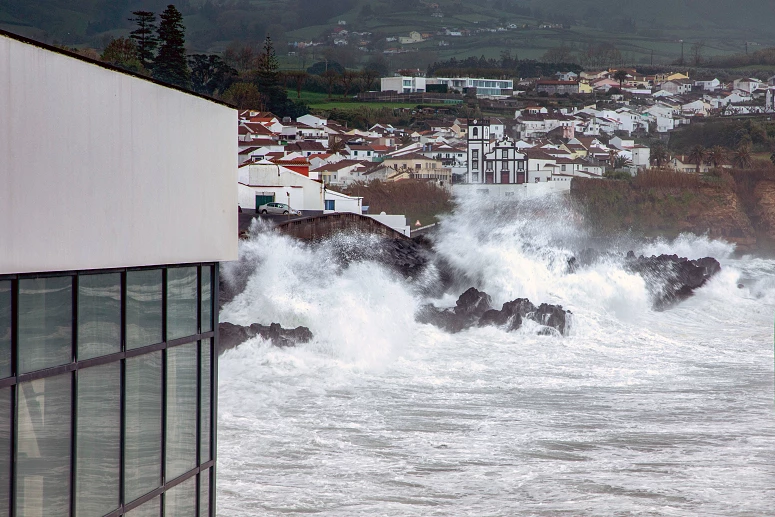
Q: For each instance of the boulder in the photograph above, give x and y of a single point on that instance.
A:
(231, 335)
(473, 309)
(671, 278)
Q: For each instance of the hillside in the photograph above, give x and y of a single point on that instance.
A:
(738, 207)
(641, 31)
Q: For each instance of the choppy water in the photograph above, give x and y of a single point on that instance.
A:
(635, 413)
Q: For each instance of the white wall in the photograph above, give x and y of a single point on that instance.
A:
(344, 203)
(267, 174)
(524, 191)
(397, 222)
(293, 196)
(101, 169)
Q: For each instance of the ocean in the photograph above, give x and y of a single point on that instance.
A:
(635, 412)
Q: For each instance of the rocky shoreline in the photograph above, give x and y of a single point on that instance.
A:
(670, 278)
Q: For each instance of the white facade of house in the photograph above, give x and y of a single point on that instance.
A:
(312, 121)
(265, 177)
(708, 86)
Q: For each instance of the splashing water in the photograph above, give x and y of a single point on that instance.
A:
(635, 413)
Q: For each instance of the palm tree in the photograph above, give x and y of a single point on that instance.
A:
(717, 156)
(612, 156)
(698, 156)
(659, 155)
(621, 76)
(622, 162)
(742, 157)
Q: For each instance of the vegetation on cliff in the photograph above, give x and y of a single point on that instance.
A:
(420, 200)
(735, 205)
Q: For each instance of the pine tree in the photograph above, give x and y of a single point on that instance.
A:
(145, 36)
(170, 64)
(268, 80)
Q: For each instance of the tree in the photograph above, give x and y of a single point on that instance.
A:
(244, 96)
(209, 74)
(621, 76)
(144, 36)
(659, 155)
(240, 57)
(717, 156)
(696, 52)
(742, 158)
(330, 77)
(622, 162)
(405, 139)
(697, 156)
(299, 78)
(170, 64)
(368, 77)
(347, 79)
(336, 144)
(122, 52)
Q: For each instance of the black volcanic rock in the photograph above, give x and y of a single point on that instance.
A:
(231, 336)
(673, 278)
(473, 309)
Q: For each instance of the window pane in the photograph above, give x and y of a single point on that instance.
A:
(99, 315)
(5, 329)
(180, 501)
(142, 442)
(98, 442)
(204, 494)
(143, 308)
(204, 383)
(150, 509)
(45, 323)
(5, 451)
(181, 302)
(207, 299)
(181, 410)
(43, 448)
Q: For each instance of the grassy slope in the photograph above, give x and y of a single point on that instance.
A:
(721, 24)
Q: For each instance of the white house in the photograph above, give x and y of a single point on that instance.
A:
(747, 84)
(266, 182)
(677, 86)
(708, 86)
(312, 121)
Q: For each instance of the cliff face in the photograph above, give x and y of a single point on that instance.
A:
(740, 212)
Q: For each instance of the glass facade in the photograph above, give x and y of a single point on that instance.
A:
(106, 393)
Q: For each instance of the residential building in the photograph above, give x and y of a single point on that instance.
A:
(557, 87)
(483, 87)
(677, 86)
(112, 237)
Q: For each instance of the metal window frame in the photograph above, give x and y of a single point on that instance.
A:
(210, 338)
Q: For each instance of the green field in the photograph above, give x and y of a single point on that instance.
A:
(320, 101)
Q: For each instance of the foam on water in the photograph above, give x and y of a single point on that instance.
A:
(635, 413)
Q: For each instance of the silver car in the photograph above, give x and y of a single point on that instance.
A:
(277, 208)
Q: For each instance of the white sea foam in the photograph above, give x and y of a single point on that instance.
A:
(635, 413)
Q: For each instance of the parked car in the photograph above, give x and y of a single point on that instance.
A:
(277, 208)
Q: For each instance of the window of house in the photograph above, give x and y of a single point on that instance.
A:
(181, 302)
(330, 204)
(505, 154)
(476, 132)
(563, 168)
(143, 308)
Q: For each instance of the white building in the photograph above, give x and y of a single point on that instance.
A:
(266, 182)
(112, 237)
(484, 87)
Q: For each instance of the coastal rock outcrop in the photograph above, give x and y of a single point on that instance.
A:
(474, 309)
(232, 335)
(673, 278)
